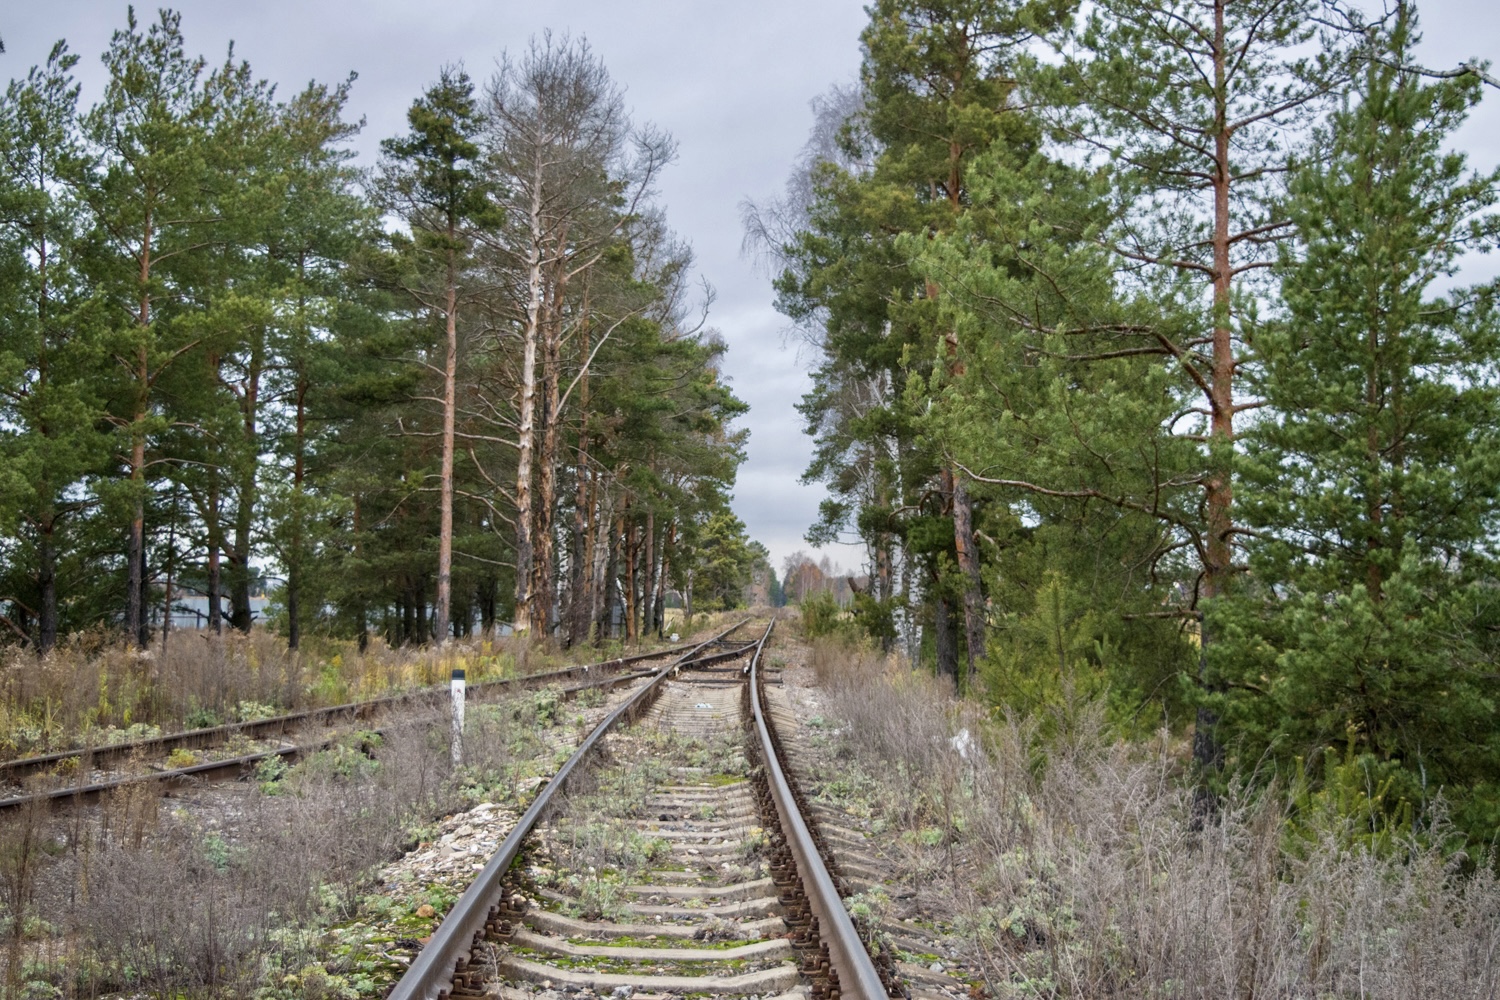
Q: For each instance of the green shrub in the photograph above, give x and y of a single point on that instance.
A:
(822, 616)
(202, 718)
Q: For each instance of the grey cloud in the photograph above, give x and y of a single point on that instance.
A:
(732, 81)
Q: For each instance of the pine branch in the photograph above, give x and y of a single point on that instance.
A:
(1464, 69)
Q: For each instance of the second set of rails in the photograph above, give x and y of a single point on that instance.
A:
(731, 895)
(78, 769)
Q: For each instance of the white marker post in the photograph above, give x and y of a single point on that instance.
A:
(458, 687)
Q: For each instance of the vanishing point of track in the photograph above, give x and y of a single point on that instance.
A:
(734, 899)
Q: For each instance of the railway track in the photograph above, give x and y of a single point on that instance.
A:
(85, 774)
(668, 856)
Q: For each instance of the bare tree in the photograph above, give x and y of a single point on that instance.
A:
(575, 174)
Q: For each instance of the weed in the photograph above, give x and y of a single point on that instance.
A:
(595, 897)
(254, 711)
(269, 772)
(202, 718)
(1077, 865)
(181, 757)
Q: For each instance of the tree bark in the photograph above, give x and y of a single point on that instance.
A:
(611, 544)
(135, 556)
(968, 564)
(443, 611)
(294, 556)
(526, 427)
(361, 613)
(580, 588)
(1218, 490)
(215, 591)
(630, 580)
(658, 623)
(544, 609)
(46, 525)
(648, 584)
(945, 639)
(544, 588)
(46, 554)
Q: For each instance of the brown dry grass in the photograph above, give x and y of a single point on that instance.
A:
(93, 689)
(1075, 867)
(147, 900)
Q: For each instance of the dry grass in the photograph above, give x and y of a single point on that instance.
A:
(148, 900)
(1078, 869)
(93, 690)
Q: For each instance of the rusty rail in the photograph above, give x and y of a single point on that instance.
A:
(192, 739)
(854, 971)
(228, 768)
(444, 960)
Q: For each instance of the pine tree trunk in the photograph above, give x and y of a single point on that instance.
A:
(294, 557)
(135, 557)
(602, 550)
(945, 639)
(659, 622)
(46, 556)
(1218, 562)
(580, 597)
(611, 544)
(968, 564)
(299, 461)
(135, 613)
(171, 566)
(361, 612)
(544, 609)
(215, 591)
(443, 610)
(630, 580)
(648, 585)
(1375, 459)
(144, 639)
(240, 614)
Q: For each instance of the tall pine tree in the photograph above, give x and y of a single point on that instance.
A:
(1374, 480)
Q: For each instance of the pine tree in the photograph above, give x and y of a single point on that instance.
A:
(431, 179)
(323, 219)
(48, 362)
(152, 133)
(936, 86)
(1374, 481)
(1194, 102)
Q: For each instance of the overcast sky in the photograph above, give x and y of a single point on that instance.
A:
(732, 82)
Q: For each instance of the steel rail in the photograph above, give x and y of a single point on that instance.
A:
(21, 767)
(858, 978)
(431, 975)
(230, 767)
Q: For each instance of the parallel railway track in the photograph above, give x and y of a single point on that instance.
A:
(85, 764)
(669, 855)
